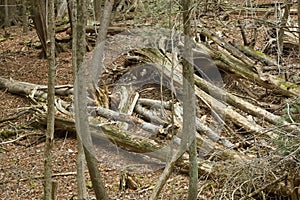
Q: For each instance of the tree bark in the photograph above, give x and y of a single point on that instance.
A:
(48, 193)
(189, 101)
(132, 142)
(298, 8)
(80, 98)
(6, 18)
(282, 27)
(97, 9)
(78, 51)
(24, 17)
(38, 11)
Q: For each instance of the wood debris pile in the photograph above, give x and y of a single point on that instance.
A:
(240, 132)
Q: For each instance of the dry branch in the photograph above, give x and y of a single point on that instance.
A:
(113, 115)
(244, 105)
(219, 107)
(33, 90)
(235, 61)
(128, 141)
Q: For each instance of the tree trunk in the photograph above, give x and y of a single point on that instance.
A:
(38, 10)
(189, 101)
(299, 26)
(80, 97)
(6, 18)
(77, 59)
(105, 20)
(48, 187)
(8, 11)
(282, 27)
(61, 9)
(97, 9)
(24, 17)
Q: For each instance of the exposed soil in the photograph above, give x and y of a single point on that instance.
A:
(21, 162)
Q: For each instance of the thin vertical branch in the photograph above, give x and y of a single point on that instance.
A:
(189, 101)
(50, 100)
(299, 26)
(78, 51)
(24, 16)
(6, 18)
(80, 96)
(282, 26)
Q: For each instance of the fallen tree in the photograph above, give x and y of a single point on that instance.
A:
(232, 129)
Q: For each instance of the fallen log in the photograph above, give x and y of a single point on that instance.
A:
(139, 144)
(32, 90)
(113, 115)
(237, 62)
(39, 92)
(219, 107)
(245, 106)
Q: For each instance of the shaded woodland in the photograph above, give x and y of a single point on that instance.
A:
(132, 62)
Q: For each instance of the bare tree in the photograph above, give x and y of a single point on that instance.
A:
(81, 118)
(48, 191)
(189, 115)
(105, 20)
(282, 27)
(8, 10)
(24, 16)
(38, 10)
(78, 37)
(189, 101)
(6, 19)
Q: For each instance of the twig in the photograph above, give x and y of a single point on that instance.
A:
(15, 116)
(19, 138)
(284, 176)
(243, 33)
(38, 177)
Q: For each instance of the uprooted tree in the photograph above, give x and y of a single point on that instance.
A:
(247, 133)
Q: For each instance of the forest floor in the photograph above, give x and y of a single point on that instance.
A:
(21, 162)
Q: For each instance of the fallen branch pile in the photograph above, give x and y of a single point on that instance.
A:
(141, 112)
(140, 129)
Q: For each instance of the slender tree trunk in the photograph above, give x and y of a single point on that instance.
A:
(78, 51)
(282, 26)
(24, 17)
(80, 89)
(105, 20)
(48, 193)
(97, 9)
(61, 9)
(6, 18)
(299, 26)
(189, 101)
(38, 10)
(102, 33)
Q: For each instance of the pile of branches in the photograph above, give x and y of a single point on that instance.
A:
(134, 113)
(244, 141)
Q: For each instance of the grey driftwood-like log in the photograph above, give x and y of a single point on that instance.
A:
(157, 103)
(235, 61)
(33, 90)
(131, 142)
(113, 115)
(245, 106)
(206, 146)
(219, 107)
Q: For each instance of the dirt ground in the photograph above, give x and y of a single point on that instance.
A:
(21, 162)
